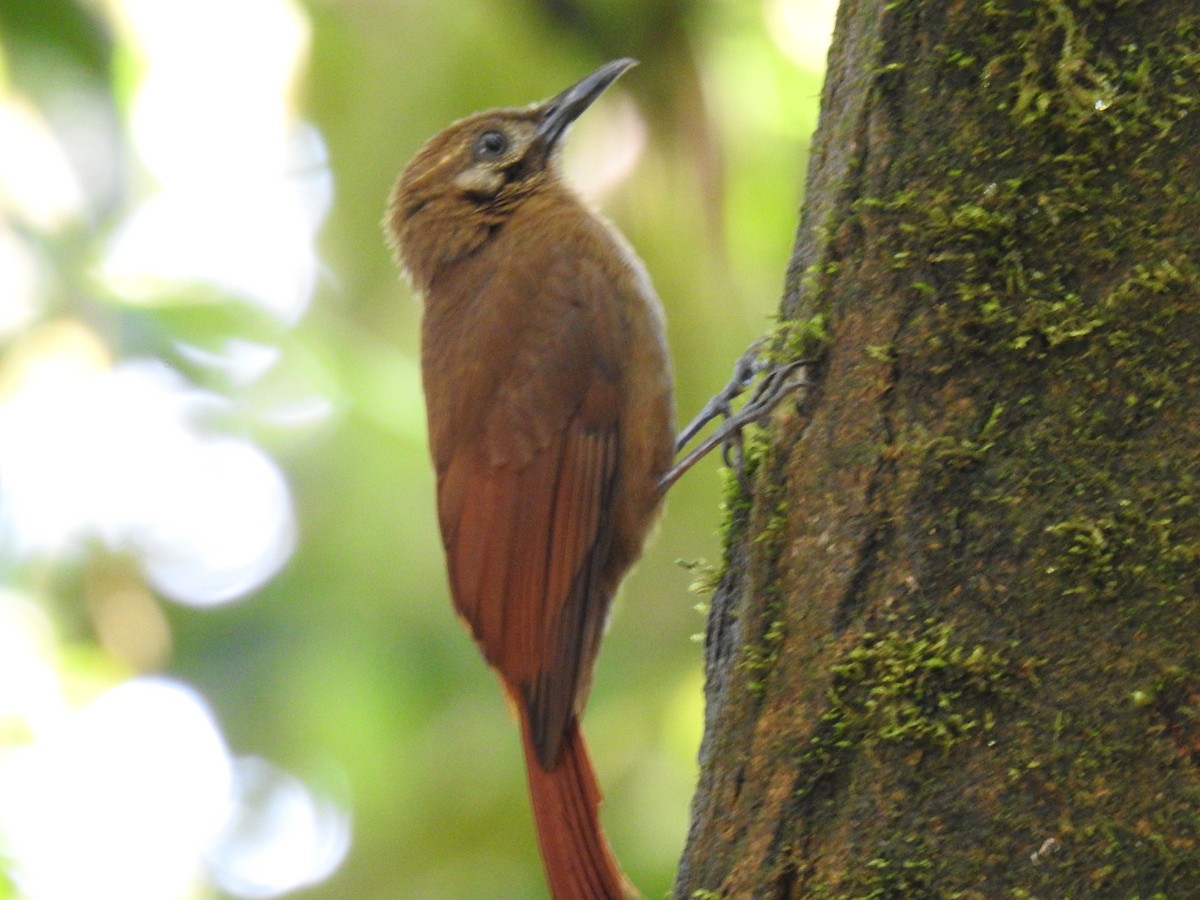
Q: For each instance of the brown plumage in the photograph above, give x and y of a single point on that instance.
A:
(550, 422)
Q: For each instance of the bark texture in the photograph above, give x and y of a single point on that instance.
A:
(955, 650)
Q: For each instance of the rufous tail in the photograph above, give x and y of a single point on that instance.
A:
(566, 809)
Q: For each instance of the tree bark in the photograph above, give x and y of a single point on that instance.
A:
(955, 649)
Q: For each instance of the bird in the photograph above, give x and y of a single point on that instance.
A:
(549, 398)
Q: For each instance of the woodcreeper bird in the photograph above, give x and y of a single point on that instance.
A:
(549, 396)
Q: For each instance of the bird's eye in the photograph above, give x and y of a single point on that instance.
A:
(491, 145)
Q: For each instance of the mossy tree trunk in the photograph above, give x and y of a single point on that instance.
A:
(955, 651)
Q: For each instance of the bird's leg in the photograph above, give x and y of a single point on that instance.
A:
(720, 404)
(777, 383)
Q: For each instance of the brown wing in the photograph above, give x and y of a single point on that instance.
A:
(525, 489)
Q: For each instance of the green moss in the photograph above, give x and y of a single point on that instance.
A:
(760, 653)
(736, 501)
(918, 687)
(951, 454)
(798, 339)
(1135, 547)
(776, 526)
(760, 657)
(705, 576)
(1084, 124)
(883, 353)
(892, 879)
(806, 339)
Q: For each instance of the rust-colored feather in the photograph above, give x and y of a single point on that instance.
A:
(526, 489)
(579, 862)
(548, 393)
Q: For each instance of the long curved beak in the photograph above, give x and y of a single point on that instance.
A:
(561, 110)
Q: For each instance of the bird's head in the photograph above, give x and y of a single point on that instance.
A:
(462, 185)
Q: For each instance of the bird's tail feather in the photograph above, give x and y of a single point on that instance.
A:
(566, 809)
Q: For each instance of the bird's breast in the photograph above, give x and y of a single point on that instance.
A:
(553, 300)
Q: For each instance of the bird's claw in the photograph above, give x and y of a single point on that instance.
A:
(745, 370)
(775, 384)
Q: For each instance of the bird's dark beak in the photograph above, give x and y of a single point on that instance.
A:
(560, 111)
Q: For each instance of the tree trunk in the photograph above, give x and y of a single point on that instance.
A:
(955, 650)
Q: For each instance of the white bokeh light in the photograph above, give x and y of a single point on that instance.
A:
(137, 785)
(19, 300)
(29, 690)
(134, 795)
(89, 452)
(37, 184)
(243, 186)
(237, 530)
(280, 838)
(139, 789)
(39, 191)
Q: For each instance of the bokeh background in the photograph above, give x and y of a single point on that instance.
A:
(228, 663)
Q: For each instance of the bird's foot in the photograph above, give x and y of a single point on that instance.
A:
(777, 382)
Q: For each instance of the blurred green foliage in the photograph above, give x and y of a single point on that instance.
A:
(349, 667)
